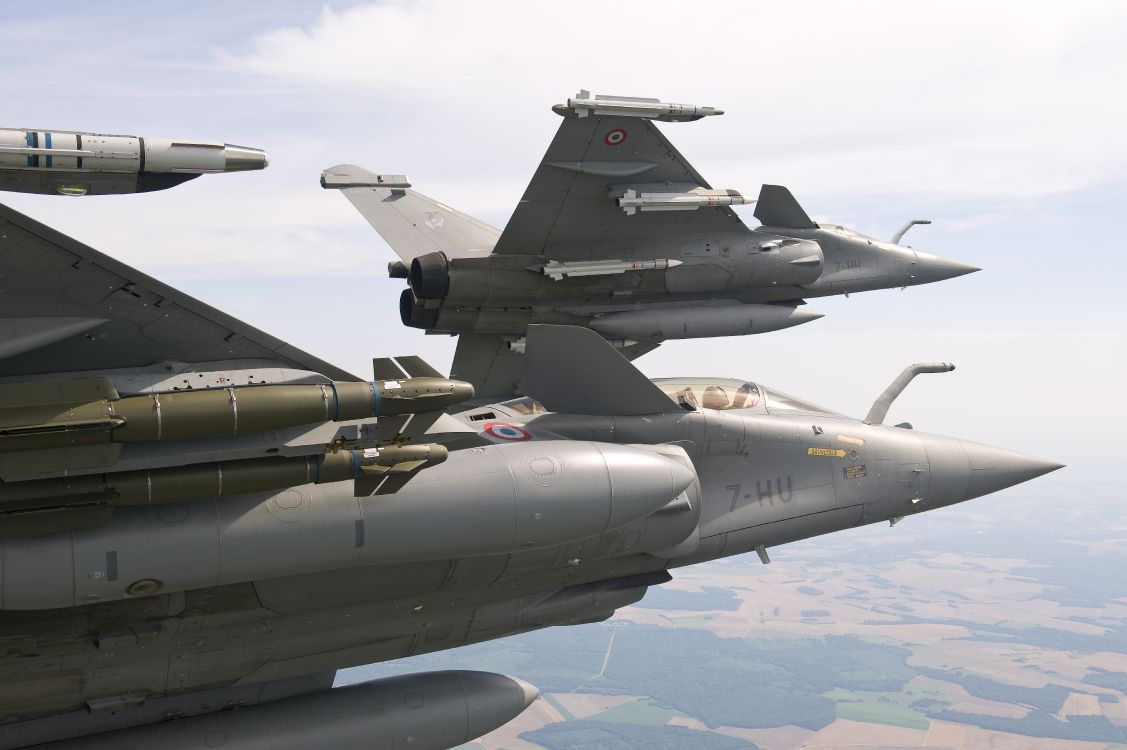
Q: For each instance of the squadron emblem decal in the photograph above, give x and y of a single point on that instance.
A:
(615, 137)
(505, 431)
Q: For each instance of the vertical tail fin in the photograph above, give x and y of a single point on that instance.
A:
(410, 222)
(575, 371)
(776, 207)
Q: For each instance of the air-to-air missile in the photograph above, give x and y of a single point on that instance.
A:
(55, 162)
(54, 427)
(633, 106)
(618, 232)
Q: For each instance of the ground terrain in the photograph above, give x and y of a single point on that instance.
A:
(999, 624)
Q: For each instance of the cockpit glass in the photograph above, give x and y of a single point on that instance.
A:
(848, 232)
(711, 393)
(780, 403)
(729, 393)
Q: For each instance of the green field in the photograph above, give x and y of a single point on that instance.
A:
(640, 711)
(890, 708)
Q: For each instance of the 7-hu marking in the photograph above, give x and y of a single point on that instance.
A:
(766, 491)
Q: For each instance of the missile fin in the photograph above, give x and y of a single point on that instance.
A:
(393, 483)
(417, 367)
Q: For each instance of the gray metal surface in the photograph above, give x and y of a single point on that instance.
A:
(411, 222)
(520, 497)
(563, 383)
(540, 514)
(618, 232)
(46, 274)
(880, 407)
(427, 711)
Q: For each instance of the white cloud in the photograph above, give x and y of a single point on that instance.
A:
(1003, 121)
(1000, 100)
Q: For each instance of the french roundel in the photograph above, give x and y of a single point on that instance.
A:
(505, 431)
(615, 137)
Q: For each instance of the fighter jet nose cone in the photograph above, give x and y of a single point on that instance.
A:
(993, 469)
(929, 268)
(961, 269)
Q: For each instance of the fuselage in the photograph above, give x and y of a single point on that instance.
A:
(728, 277)
(775, 469)
(517, 530)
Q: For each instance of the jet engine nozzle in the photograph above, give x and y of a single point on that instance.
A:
(416, 313)
(430, 276)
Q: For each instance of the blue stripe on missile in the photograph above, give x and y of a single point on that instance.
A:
(30, 158)
(47, 140)
(375, 399)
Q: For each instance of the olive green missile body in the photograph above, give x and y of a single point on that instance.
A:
(61, 414)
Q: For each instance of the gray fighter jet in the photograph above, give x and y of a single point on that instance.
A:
(200, 524)
(618, 232)
(66, 162)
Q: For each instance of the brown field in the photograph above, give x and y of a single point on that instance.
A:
(776, 738)
(583, 705)
(985, 594)
(853, 734)
(1078, 704)
(960, 736)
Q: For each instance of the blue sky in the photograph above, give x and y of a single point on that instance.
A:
(1001, 122)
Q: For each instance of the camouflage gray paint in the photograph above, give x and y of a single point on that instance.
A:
(280, 529)
(618, 232)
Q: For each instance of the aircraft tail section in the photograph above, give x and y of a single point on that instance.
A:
(776, 207)
(574, 370)
(410, 222)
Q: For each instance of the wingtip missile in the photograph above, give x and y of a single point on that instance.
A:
(584, 104)
(52, 162)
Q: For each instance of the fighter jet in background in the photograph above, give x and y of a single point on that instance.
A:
(63, 162)
(200, 524)
(619, 233)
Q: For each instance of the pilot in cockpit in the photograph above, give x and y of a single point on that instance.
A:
(715, 397)
(746, 397)
(686, 399)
